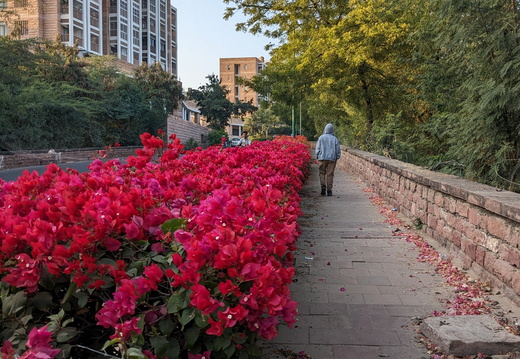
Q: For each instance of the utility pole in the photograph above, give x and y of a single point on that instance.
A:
(300, 118)
(293, 122)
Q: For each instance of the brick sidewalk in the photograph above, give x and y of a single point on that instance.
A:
(358, 286)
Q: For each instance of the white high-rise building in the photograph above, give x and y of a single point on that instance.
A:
(134, 31)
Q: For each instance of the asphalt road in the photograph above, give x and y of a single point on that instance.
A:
(13, 174)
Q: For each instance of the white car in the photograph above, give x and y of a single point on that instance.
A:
(235, 141)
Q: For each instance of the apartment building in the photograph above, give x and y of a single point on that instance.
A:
(135, 31)
(230, 70)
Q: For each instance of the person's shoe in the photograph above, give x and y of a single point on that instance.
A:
(323, 189)
(329, 192)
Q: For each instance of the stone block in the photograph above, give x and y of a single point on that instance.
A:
(469, 335)
(496, 226)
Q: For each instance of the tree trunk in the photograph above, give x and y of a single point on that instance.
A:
(368, 101)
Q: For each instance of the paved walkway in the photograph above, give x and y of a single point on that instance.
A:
(358, 286)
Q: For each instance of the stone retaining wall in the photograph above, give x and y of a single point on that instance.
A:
(186, 130)
(17, 159)
(479, 224)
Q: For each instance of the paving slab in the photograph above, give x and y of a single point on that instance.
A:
(463, 335)
(360, 289)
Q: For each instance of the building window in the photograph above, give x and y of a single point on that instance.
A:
(162, 10)
(245, 67)
(113, 6)
(136, 37)
(152, 6)
(229, 67)
(235, 130)
(163, 48)
(113, 27)
(94, 17)
(78, 36)
(136, 15)
(152, 43)
(3, 29)
(94, 43)
(124, 53)
(124, 32)
(64, 7)
(65, 33)
(22, 27)
(20, 3)
(77, 9)
(136, 58)
(162, 30)
(3, 4)
(124, 9)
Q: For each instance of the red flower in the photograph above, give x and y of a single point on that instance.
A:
(39, 344)
(232, 315)
(205, 355)
(215, 328)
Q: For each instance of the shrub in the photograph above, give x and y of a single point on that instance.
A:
(186, 257)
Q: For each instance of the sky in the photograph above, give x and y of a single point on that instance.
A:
(203, 37)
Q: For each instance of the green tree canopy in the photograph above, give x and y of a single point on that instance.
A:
(214, 105)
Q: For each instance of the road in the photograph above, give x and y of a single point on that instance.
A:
(13, 174)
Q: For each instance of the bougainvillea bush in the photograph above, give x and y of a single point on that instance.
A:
(162, 256)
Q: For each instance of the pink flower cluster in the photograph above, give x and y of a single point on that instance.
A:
(232, 255)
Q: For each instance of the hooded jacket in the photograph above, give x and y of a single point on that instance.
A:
(327, 148)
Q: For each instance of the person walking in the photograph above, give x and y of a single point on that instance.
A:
(328, 152)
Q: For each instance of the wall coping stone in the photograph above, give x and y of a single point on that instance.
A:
(501, 202)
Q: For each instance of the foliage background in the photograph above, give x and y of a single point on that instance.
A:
(433, 82)
(50, 98)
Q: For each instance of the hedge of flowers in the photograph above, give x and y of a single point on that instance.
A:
(163, 256)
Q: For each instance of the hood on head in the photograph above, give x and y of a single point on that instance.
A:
(329, 129)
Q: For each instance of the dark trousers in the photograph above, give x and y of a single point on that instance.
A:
(327, 173)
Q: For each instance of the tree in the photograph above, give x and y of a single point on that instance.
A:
(214, 105)
(473, 59)
(162, 90)
(343, 60)
(263, 122)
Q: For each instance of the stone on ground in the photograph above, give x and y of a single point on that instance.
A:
(469, 335)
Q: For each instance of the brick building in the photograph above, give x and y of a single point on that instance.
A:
(230, 70)
(135, 31)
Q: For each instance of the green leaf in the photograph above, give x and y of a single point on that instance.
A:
(166, 326)
(230, 350)
(82, 298)
(160, 345)
(178, 301)
(70, 291)
(135, 353)
(201, 320)
(174, 348)
(191, 335)
(221, 343)
(58, 317)
(14, 303)
(42, 301)
(187, 316)
(109, 343)
(108, 261)
(171, 225)
(243, 355)
(47, 280)
(65, 334)
(26, 319)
